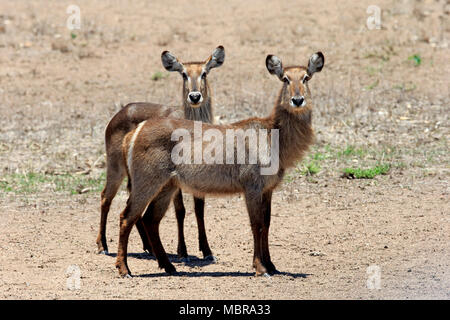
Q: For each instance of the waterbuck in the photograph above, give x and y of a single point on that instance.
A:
(197, 105)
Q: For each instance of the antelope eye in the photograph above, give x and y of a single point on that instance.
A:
(204, 75)
(306, 78)
(286, 79)
(184, 76)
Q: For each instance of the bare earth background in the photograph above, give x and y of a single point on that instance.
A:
(382, 98)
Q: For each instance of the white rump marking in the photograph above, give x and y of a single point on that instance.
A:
(133, 139)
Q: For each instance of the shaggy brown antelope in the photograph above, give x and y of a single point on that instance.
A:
(156, 175)
(197, 105)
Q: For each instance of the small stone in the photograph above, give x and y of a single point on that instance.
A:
(316, 254)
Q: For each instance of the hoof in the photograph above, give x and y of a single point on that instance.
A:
(262, 273)
(211, 258)
(266, 275)
(105, 252)
(125, 274)
(170, 270)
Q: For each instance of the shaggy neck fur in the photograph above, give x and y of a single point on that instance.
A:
(296, 133)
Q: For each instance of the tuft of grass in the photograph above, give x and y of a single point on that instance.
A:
(318, 156)
(372, 85)
(289, 178)
(405, 87)
(371, 70)
(384, 53)
(310, 169)
(399, 165)
(350, 151)
(416, 58)
(32, 182)
(357, 173)
(159, 75)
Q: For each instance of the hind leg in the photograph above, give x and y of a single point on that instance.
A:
(147, 247)
(114, 178)
(127, 219)
(152, 219)
(141, 194)
(180, 213)
(199, 204)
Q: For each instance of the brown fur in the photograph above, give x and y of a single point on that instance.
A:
(125, 121)
(156, 178)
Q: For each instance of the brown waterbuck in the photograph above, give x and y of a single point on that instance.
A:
(156, 174)
(197, 105)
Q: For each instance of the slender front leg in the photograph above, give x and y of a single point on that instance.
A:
(199, 204)
(180, 213)
(266, 207)
(255, 210)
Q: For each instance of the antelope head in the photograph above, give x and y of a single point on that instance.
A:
(195, 85)
(295, 91)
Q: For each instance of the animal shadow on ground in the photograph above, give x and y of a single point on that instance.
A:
(191, 261)
(216, 274)
(194, 261)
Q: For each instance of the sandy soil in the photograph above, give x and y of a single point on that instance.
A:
(58, 91)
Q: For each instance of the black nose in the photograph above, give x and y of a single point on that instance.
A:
(195, 97)
(297, 101)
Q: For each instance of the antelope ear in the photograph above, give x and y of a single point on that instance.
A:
(275, 66)
(216, 59)
(315, 63)
(170, 62)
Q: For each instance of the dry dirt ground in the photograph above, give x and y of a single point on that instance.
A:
(381, 99)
